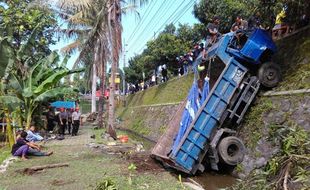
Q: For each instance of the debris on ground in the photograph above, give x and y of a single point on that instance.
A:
(58, 182)
(93, 136)
(32, 170)
(6, 163)
(144, 163)
(193, 186)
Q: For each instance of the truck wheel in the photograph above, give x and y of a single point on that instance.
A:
(231, 150)
(269, 74)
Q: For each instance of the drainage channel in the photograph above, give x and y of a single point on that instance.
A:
(209, 180)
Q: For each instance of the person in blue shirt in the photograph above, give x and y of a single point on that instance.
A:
(32, 136)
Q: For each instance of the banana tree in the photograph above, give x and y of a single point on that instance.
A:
(40, 84)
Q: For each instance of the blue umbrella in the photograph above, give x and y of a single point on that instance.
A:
(63, 104)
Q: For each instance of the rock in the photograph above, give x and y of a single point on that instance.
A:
(110, 139)
(93, 145)
(285, 105)
(111, 143)
(193, 186)
(139, 148)
(60, 137)
(260, 162)
(105, 136)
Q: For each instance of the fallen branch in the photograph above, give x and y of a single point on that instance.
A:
(301, 156)
(287, 173)
(34, 169)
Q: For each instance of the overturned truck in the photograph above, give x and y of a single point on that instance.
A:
(245, 63)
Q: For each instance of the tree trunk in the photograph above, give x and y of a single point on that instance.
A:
(20, 118)
(9, 129)
(112, 25)
(93, 89)
(28, 119)
(111, 128)
(102, 88)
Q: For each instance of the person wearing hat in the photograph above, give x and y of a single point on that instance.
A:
(77, 121)
(63, 118)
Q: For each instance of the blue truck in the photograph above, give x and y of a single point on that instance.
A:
(210, 138)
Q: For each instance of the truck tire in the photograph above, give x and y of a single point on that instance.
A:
(231, 150)
(269, 74)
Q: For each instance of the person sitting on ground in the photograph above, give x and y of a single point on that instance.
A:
(32, 136)
(22, 147)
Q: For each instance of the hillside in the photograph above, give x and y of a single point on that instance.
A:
(147, 112)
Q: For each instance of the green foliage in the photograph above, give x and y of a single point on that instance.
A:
(295, 63)
(227, 10)
(180, 181)
(132, 167)
(19, 18)
(254, 120)
(170, 44)
(5, 152)
(106, 184)
(38, 82)
(293, 158)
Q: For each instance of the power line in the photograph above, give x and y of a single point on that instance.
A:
(177, 8)
(149, 22)
(175, 18)
(141, 21)
(188, 7)
(171, 16)
(153, 26)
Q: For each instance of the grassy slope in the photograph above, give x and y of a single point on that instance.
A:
(173, 91)
(170, 92)
(294, 58)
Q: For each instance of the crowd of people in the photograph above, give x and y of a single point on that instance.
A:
(65, 120)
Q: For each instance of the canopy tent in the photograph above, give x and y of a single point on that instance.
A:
(63, 104)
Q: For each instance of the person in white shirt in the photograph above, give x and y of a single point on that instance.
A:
(77, 121)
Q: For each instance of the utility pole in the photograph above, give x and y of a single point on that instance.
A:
(124, 77)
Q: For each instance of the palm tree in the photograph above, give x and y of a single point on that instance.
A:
(104, 38)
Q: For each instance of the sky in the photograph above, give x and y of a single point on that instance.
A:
(152, 19)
